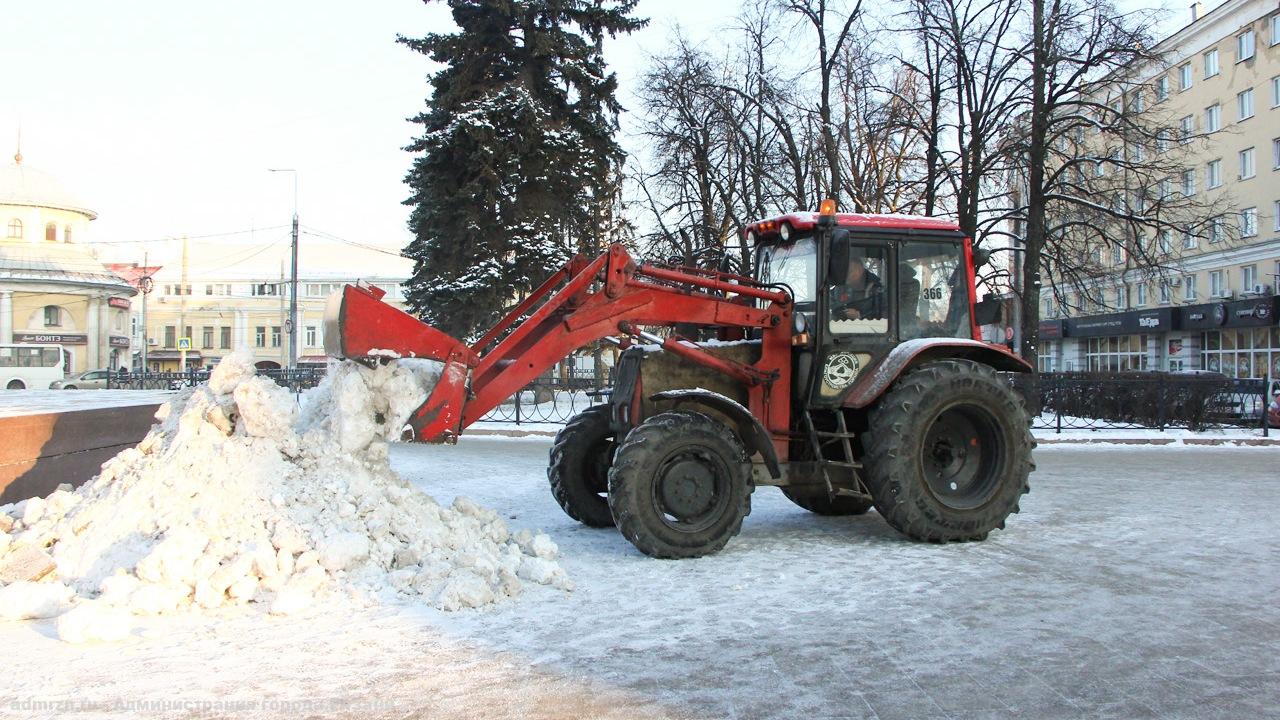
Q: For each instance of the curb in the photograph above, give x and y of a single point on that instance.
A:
(1206, 442)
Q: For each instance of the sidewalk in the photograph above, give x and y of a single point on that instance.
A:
(1232, 437)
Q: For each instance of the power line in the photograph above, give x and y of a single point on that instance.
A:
(188, 237)
(316, 232)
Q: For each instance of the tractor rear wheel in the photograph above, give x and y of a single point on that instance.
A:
(948, 452)
(821, 503)
(579, 467)
(679, 485)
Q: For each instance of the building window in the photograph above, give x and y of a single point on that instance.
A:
(1211, 63)
(1275, 154)
(1122, 297)
(265, 289)
(1186, 128)
(1244, 104)
(1275, 216)
(1162, 88)
(1244, 45)
(208, 289)
(1117, 354)
(1213, 174)
(311, 336)
(1117, 255)
(1246, 164)
(260, 336)
(275, 336)
(1213, 118)
(1189, 287)
(1142, 294)
(1166, 242)
(1242, 353)
(1275, 29)
(1216, 286)
(1275, 91)
(225, 332)
(1249, 222)
(51, 233)
(1184, 77)
(1188, 240)
(170, 336)
(1188, 182)
(52, 316)
(1165, 292)
(15, 228)
(206, 337)
(1215, 229)
(1249, 276)
(66, 234)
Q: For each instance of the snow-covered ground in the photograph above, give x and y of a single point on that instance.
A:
(30, 402)
(1134, 583)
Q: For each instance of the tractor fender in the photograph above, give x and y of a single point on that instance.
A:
(750, 431)
(880, 376)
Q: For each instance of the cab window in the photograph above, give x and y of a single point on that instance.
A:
(858, 302)
(933, 298)
(796, 266)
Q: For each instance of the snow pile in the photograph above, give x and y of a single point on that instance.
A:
(242, 495)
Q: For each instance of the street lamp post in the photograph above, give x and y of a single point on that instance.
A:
(291, 323)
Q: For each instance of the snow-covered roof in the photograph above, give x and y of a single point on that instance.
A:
(56, 262)
(21, 184)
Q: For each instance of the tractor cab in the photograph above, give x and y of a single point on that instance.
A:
(863, 285)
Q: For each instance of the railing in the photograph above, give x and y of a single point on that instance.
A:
(1156, 401)
(296, 379)
(555, 399)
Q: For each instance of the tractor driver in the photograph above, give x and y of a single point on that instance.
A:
(860, 296)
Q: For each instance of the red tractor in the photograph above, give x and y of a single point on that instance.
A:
(849, 372)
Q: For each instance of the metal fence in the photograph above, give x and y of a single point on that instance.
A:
(1155, 401)
(296, 379)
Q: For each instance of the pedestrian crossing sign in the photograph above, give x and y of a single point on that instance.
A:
(184, 343)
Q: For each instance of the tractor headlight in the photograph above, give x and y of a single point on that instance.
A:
(785, 232)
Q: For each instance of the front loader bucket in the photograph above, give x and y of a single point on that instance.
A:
(359, 326)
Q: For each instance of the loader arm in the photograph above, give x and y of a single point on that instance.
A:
(585, 301)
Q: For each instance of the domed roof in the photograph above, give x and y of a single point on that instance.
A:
(24, 185)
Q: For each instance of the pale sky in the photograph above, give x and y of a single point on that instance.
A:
(164, 116)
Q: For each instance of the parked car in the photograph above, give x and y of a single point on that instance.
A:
(89, 380)
(1273, 411)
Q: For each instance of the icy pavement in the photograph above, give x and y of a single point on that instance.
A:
(31, 402)
(1137, 582)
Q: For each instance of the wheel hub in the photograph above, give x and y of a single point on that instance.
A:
(960, 457)
(690, 490)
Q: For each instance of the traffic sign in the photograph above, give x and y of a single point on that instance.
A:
(184, 343)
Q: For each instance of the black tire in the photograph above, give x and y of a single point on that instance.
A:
(821, 503)
(68, 387)
(948, 452)
(579, 467)
(16, 385)
(679, 487)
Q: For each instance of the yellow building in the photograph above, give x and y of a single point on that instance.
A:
(220, 314)
(1220, 311)
(52, 287)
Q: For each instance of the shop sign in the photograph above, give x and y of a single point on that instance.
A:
(119, 342)
(1125, 323)
(50, 338)
(118, 302)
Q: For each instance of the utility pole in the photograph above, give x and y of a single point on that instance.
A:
(182, 311)
(291, 323)
(145, 286)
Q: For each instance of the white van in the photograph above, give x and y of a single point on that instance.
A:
(26, 367)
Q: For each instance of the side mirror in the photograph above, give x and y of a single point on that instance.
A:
(838, 256)
(988, 311)
(981, 256)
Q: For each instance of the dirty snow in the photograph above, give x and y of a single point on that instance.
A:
(242, 496)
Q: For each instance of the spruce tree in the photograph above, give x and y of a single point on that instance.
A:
(517, 148)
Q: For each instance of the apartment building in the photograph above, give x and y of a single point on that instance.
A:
(1219, 310)
(212, 315)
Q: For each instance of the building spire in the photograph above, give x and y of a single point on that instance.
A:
(17, 157)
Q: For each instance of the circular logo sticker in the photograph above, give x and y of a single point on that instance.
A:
(1220, 313)
(1262, 311)
(841, 369)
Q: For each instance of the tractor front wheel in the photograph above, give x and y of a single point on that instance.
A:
(679, 486)
(948, 452)
(579, 468)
